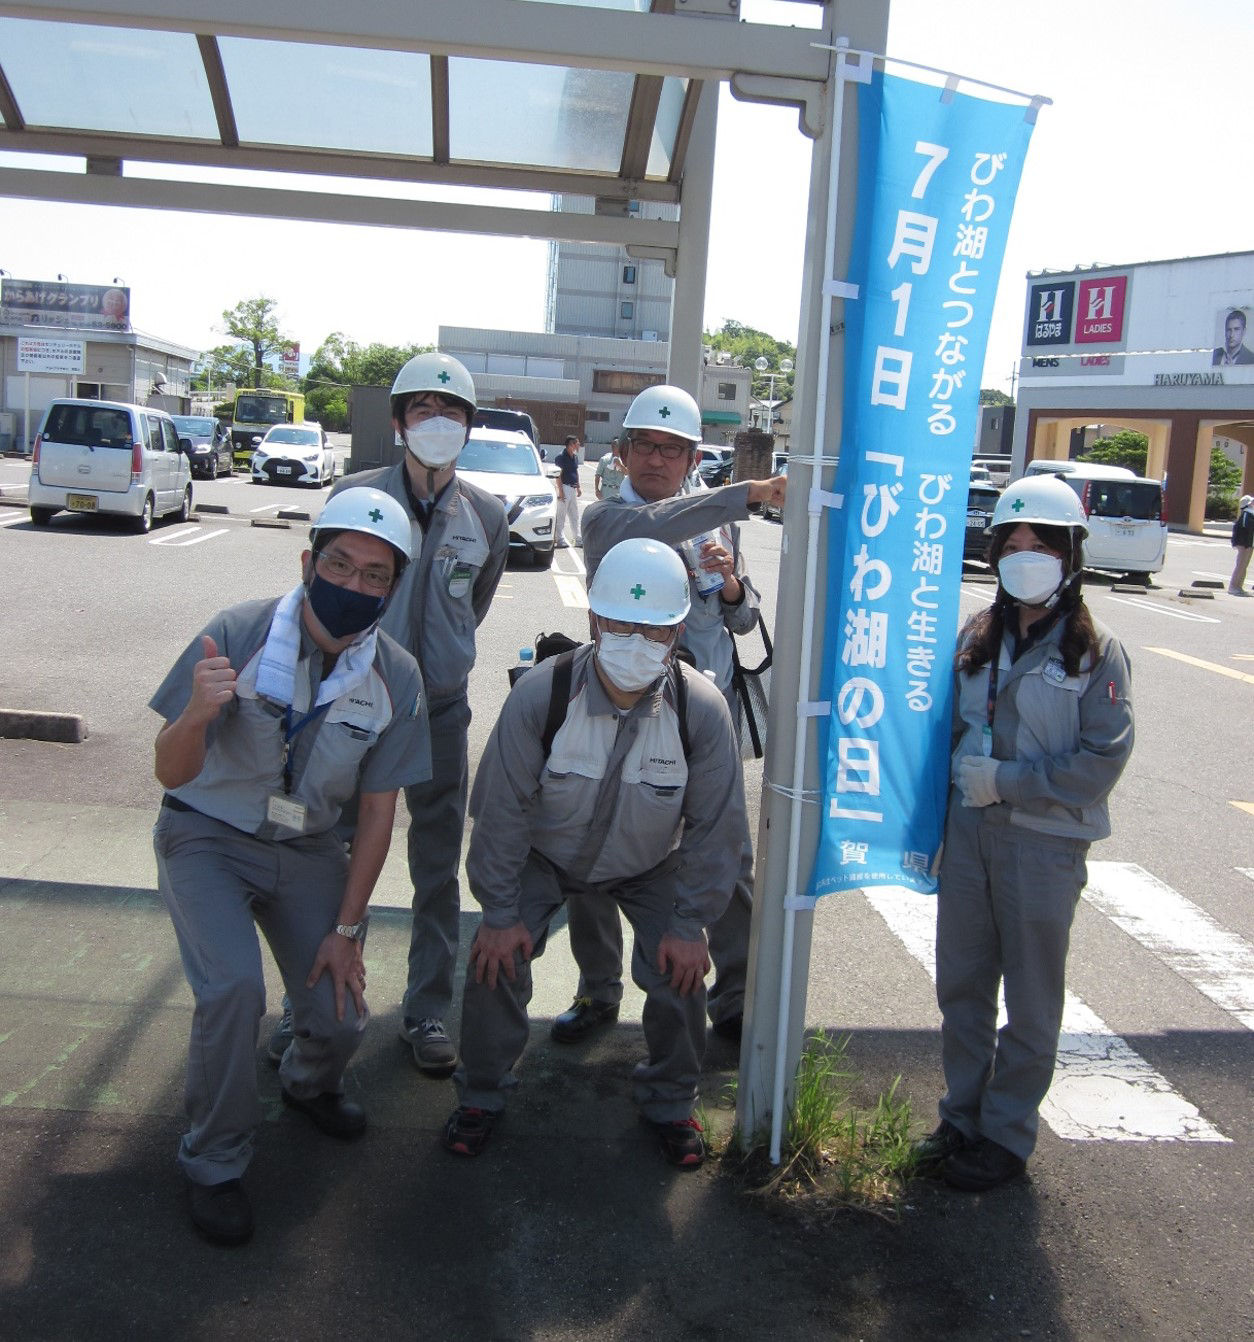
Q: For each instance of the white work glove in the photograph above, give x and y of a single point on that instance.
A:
(977, 780)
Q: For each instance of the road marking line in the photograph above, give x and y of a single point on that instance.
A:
(571, 590)
(1203, 573)
(1247, 807)
(1218, 963)
(1163, 610)
(17, 517)
(1205, 666)
(1247, 871)
(187, 537)
(269, 508)
(1102, 1089)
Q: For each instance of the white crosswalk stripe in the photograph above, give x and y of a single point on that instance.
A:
(1103, 1090)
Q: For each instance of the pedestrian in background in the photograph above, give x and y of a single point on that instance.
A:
(609, 475)
(1042, 732)
(569, 491)
(1243, 543)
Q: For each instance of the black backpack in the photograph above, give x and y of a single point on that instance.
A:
(563, 649)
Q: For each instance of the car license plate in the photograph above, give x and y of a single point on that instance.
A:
(81, 503)
(976, 521)
(282, 470)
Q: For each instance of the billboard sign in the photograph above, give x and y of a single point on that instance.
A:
(50, 356)
(90, 307)
(1050, 308)
(1099, 311)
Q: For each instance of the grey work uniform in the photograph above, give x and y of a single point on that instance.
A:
(442, 598)
(223, 866)
(596, 935)
(1011, 874)
(619, 816)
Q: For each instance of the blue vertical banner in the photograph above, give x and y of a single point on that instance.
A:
(937, 176)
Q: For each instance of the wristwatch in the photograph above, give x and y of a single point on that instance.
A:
(353, 931)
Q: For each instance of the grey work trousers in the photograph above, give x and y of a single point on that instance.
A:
(596, 942)
(1005, 905)
(219, 886)
(437, 820)
(494, 1021)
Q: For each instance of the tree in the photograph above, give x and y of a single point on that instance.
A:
(991, 396)
(340, 363)
(220, 366)
(253, 324)
(745, 344)
(1126, 448)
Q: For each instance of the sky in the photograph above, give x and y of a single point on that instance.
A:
(1145, 153)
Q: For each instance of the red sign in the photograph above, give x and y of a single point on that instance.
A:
(1099, 310)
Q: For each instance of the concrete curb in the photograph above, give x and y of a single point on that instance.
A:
(34, 726)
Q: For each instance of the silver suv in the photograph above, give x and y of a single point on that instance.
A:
(109, 457)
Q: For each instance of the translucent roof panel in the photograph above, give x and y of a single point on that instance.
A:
(297, 93)
(125, 80)
(639, 6)
(666, 127)
(507, 112)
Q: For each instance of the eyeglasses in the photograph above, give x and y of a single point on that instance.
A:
(667, 451)
(653, 632)
(375, 578)
(428, 405)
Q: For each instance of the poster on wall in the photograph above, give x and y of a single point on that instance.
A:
(1233, 350)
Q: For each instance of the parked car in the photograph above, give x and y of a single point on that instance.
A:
(495, 417)
(211, 450)
(1126, 512)
(294, 454)
(507, 463)
(981, 500)
(716, 465)
(998, 469)
(980, 475)
(778, 467)
(109, 457)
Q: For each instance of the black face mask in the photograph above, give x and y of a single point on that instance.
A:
(340, 610)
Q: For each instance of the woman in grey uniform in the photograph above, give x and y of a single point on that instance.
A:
(1043, 729)
(275, 715)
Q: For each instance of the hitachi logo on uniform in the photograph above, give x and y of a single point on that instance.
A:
(653, 759)
(361, 703)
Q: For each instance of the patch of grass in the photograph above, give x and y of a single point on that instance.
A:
(834, 1155)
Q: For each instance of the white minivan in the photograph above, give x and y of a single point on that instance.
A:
(1127, 515)
(109, 457)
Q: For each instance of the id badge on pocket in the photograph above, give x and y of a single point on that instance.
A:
(459, 581)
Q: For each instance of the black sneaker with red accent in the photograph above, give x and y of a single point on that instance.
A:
(681, 1141)
(467, 1131)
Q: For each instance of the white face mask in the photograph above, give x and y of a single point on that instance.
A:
(1030, 577)
(435, 442)
(631, 661)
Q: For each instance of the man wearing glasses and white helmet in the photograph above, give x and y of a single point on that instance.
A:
(662, 434)
(277, 713)
(460, 544)
(635, 801)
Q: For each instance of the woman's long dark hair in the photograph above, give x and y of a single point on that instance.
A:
(983, 635)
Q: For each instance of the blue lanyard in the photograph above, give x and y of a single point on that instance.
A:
(290, 731)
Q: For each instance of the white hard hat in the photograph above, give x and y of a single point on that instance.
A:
(642, 581)
(439, 373)
(373, 513)
(668, 409)
(1040, 498)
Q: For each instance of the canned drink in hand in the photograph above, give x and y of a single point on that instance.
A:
(707, 583)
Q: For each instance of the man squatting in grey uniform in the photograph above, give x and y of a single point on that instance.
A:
(651, 503)
(275, 715)
(460, 542)
(628, 809)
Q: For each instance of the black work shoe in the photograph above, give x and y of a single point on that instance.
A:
(330, 1113)
(220, 1212)
(583, 1014)
(730, 1027)
(944, 1142)
(681, 1142)
(276, 1045)
(467, 1131)
(983, 1165)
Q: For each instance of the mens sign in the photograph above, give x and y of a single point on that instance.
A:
(1050, 309)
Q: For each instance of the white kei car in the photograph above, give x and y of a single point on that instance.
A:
(506, 463)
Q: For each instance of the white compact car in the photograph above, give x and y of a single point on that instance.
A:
(293, 454)
(506, 463)
(109, 457)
